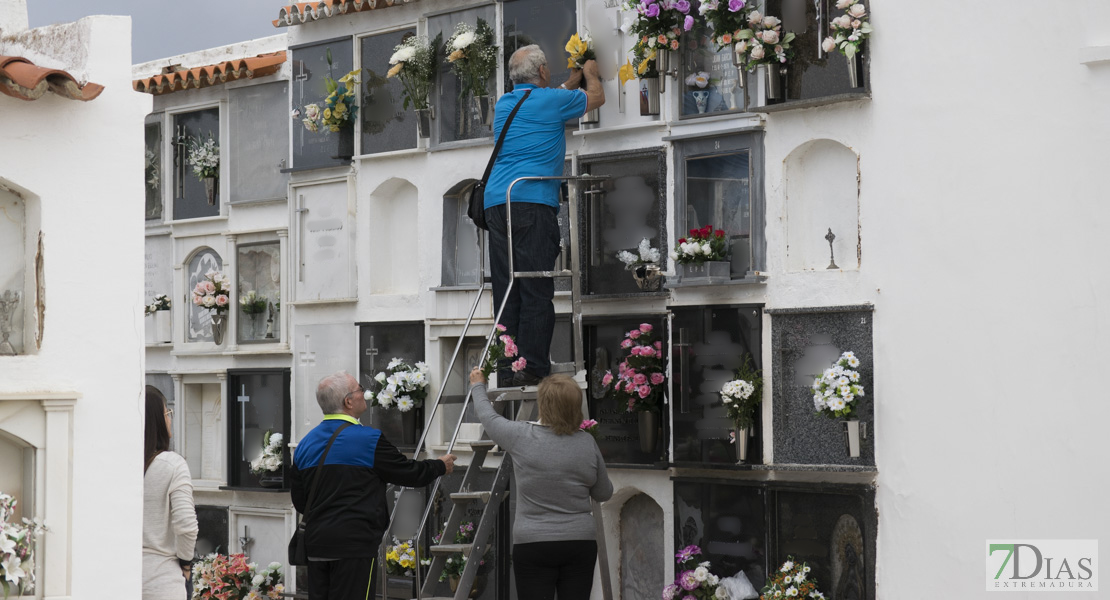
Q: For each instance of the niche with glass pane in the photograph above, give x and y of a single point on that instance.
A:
(152, 166)
(456, 114)
(386, 124)
(259, 292)
(198, 325)
(190, 196)
(258, 403)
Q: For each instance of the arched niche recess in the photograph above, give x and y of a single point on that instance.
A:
(821, 181)
(198, 318)
(642, 548)
(395, 231)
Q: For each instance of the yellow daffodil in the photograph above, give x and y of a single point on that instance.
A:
(626, 73)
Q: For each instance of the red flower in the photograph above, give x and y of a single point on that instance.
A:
(682, 240)
(693, 232)
(719, 233)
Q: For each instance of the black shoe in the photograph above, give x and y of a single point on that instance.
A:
(524, 378)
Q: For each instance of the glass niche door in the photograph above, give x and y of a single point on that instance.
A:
(258, 403)
(259, 293)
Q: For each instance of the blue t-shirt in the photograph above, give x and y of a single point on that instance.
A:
(536, 144)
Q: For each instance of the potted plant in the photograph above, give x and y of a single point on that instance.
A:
(473, 56)
(456, 563)
(727, 18)
(400, 568)
(159, 311)
(849, 31)
(268, 465)
(17, 549)
(837, 393)
(740, 397)
(502, 348)
(764, 45)
(414, 64)
(402, 389)
(658, 27)
(792, 580)
(693, 578)
(213, 293)
(644, 265)
(580, 49)
(204, 157)
(702, 255)
(640, 383)
(223, 577)
(338, 113)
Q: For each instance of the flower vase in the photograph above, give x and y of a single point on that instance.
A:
(852, 433)
(412, 425)
(400, 587)
(742, 436)
(649, 430)
(738, 62)
(773, 72)
(483, 105)
(592, 117)
(254, 325)
(219, 327)
(648, 277)
(701, 100)
(855, 70)
(210, 190)
(272, 479)
(424, 118)
(345, 143)
(649, 97)
(163, 327)
(713, 271)
(454, 581)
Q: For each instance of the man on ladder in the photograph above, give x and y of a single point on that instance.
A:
(535, 145)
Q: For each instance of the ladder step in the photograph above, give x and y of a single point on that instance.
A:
(567, 367)
(481, 444)
(469, 496)
(452, 549)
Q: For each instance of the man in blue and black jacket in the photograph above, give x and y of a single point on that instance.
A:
(348, 517)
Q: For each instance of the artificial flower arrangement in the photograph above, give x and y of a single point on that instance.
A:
(340, 107)
(580, 50)
(590, 427)
(502, 347)
(414, 63)
(640, 378)
(642, 64)
(153, 169)
(698, 80)
(404, 386)
(693, 579)
(17, 549)
(204, 157)
(161, 302)
(763, 43)
(701, 245)
(659, 23)
(221, 577)
(271, 459)
(836, 391)
(848, 30)
(213, 291)
(400, 558)
(456, 563)
(741, 395)
(473, 56)
(727, 18)
(791, 581)
(645, 255)
(253, 303)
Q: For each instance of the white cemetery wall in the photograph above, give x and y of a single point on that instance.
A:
(83, 163)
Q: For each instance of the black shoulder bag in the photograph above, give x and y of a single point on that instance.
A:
(476, 209)
(297, 554)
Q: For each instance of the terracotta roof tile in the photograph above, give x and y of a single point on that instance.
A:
(20, 78)
(199, 77)
(303, 12)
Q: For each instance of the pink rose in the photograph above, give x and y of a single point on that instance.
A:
(519, 364)
(674, 44)
(770, 36)
(842, 4)
(198, 300)
(209, 287)
(755, 18)
(829, 45)
(856, 24)
(858, 11)
(658, 345)
(626, 344)
(221, 300)
(646, 327)
(623, 366)
(769, 21)
(639, 379)
(757, 52)
(607, 378)
(634, 334)
(843, 21)
(629, 388)
(631, 404)
(644, 391)
(657, 378)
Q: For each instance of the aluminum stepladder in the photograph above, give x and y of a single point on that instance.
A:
(493, 498)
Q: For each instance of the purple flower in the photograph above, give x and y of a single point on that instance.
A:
(670, 592)
(682, 6)
(687, 553)
(688, 24)
(688, 581)
(735, 5)
(652, 10)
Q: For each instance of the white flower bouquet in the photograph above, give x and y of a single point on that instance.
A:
(848, 30)
(161, 302)
(741, 395)
(253, 303)
(404, 386)
(473, 56)
(213, 292)
(837, 391)
(17, 549)
(204, 157)
(414, 63)
(271, 459)
(645, 255)
(792, 581)
(764, 43)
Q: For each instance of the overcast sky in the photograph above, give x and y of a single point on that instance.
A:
(161, 28)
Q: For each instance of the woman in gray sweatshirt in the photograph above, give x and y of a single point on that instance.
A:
(558, 469)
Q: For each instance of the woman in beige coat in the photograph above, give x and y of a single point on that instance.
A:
(169, 518)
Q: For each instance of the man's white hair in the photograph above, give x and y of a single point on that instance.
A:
(525, 63)
(332, 391)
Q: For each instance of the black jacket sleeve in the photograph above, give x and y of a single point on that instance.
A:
(394, 467)
(297, 489)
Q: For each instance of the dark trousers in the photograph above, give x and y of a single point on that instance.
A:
(343, 579)
(529, 314)
(545, 568)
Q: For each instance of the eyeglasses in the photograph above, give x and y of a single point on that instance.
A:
(169, 412)
(360, 391)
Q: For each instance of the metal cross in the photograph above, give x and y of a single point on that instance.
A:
(831, 236)
(243, 399)
(372, 352)
(300, 78)
(245, 540)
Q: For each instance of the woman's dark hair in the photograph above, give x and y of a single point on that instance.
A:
(157, 436)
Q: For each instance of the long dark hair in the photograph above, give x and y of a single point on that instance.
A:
(157, 436)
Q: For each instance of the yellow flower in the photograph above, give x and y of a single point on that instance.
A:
(571, 63)
(340, 110)
(395, 70)
(327, 114)
(350, 77)
(626, 73)
(456, 55)
(576, 47)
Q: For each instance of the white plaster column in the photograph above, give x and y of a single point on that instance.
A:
(231, 268)
(55, 578)
(283, 288)
(223, 442)
(179, 414)
(182, 300)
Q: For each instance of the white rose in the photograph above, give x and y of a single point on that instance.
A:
(829, 45)
(842, 22)
(842, 4)
(706, 249)
(857, 10)
(209, 301)
(770, 37)
(757, 52)
(770, 21)
(380, 378)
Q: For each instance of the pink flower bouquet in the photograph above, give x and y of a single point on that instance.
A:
(214, 292)
(640, 379)
(504, 346)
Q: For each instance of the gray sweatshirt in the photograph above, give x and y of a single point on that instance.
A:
(556, 475)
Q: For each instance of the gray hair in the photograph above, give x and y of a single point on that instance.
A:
(332, 391)
(525, 63)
